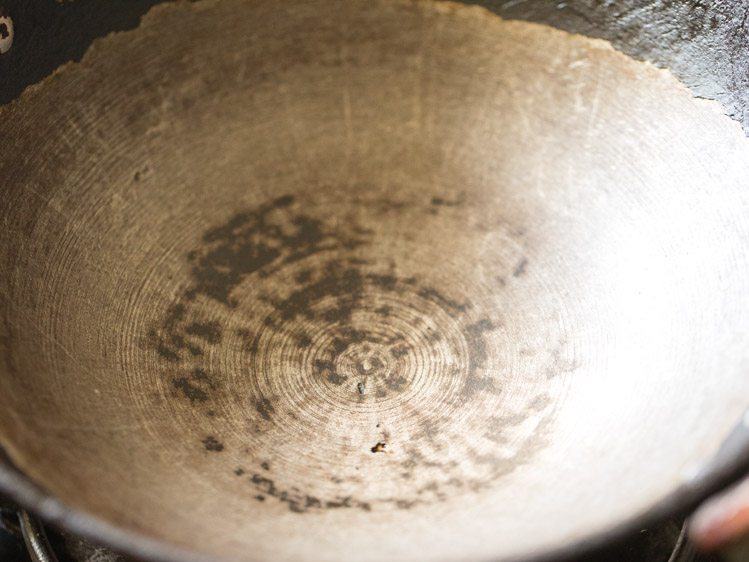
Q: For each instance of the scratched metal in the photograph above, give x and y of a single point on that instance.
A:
(367, 280)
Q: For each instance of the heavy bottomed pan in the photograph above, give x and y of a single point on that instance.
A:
(382, 280)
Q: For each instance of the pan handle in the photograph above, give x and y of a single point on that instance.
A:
(722, 522)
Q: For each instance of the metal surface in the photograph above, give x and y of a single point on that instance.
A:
(703, 43)
(368, 280)
(35, 538)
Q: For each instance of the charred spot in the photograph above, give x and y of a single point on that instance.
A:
(264, 408)
(304, 340)
(346, 284)
(336, 379)
(166, 353)
(299, 502)
(442, 202)
(396, 382)
(191, 391)
(212, 444)
(433, 295)
(399, 351)
(520, 268)
(379, 447)
(303, 276)
(434, 337)
(405, 504)
(387, 282)
(199, 375)
(207, 331)
(283, 201)
(312, 502)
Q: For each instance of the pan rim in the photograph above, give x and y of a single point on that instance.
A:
(726, 468)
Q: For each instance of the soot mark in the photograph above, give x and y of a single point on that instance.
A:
(212, 444)
(210, 332)
(520, 268)
(299, 502)
(437, 201)
(265, 408)
(435, 296)
(190, 390)
(255, 242)
(476, 339)
(331, 293)
(195, 386)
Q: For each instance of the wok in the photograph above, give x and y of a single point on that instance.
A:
(382, 280)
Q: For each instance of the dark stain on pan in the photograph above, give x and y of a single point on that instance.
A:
(190, 390)
(265, 408)
(431, 294)
(212, 444)
(332, 285)
(210, 332)
(438, 202)
(520, 268)
(195, 386)
(299, 502)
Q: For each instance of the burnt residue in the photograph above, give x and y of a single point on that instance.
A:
(265, 408)
(253, 242)
(432, 294)
(476, 339)
(438, 202)
(208, 331)
(195, 386)
(212, 444)
(336, 309)
(520, 268)
(299, 502)
(191, 391)
(559, 363)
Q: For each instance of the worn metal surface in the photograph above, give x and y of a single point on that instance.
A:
(35, 538)
(367, 280)
(704, 43)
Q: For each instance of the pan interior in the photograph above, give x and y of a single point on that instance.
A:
(367, 280)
